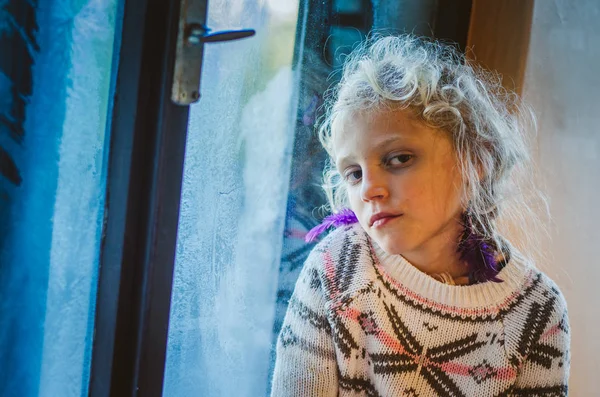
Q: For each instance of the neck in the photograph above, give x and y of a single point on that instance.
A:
(438, 264)
(440, 255)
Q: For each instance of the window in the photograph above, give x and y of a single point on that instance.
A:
(251, 186)
(235, 184)
(124, 213)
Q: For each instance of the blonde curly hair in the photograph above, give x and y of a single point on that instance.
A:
(490, 129)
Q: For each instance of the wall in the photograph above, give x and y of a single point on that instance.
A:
(562, 82)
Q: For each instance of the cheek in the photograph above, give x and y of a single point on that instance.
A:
(431, 195)
(413, 188)
(410, 191)
(356, 204)
(447, 192)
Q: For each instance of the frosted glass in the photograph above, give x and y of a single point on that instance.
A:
(49, 260)
(233, 206)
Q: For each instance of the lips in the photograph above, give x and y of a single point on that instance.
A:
(381, 218)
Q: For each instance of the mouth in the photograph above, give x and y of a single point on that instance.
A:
(381, 218)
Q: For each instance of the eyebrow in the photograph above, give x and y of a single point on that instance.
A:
(379, 146)
(388, 141)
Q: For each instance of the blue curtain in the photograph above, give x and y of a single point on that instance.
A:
(55, 83)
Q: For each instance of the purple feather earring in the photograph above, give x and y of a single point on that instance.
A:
(478, 254)
(343, 217)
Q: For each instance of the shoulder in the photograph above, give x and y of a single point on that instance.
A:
(339, 243)
(343, 261)
(555, 307)
(353, 233)
(552, 290)
(545, 294)
(536, 290)
(537, 319)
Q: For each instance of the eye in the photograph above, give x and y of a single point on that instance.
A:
(353, 175)
(400, 159)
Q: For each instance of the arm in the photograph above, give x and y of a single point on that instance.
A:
(306, 363)
(545, 370)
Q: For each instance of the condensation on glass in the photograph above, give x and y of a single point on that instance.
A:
(236, 177)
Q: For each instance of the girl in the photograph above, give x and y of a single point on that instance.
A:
(421, 292)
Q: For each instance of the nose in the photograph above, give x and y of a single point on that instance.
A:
(373, 187)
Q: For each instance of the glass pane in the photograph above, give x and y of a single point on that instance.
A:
(327, 42)
(55, 82)
(236, 177)
(348, 6)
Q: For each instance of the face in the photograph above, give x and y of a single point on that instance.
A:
(403, 183)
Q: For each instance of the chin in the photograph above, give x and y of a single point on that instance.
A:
(392, 246)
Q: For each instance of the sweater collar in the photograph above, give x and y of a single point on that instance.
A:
(408, 278)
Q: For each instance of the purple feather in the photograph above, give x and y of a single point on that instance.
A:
(479, 256)
(344, 217)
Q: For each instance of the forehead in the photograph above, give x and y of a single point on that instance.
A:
(361, 131)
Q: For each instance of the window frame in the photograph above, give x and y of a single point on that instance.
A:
(146, 154)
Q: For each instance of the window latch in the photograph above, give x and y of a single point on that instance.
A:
(192, 35)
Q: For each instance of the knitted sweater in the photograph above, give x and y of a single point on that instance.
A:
(364, 323)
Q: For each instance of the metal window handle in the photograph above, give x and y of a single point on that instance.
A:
(191, 36)
(197, 34)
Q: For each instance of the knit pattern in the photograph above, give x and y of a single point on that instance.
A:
(364, 323)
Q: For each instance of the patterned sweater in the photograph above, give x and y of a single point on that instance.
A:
(364, 323)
